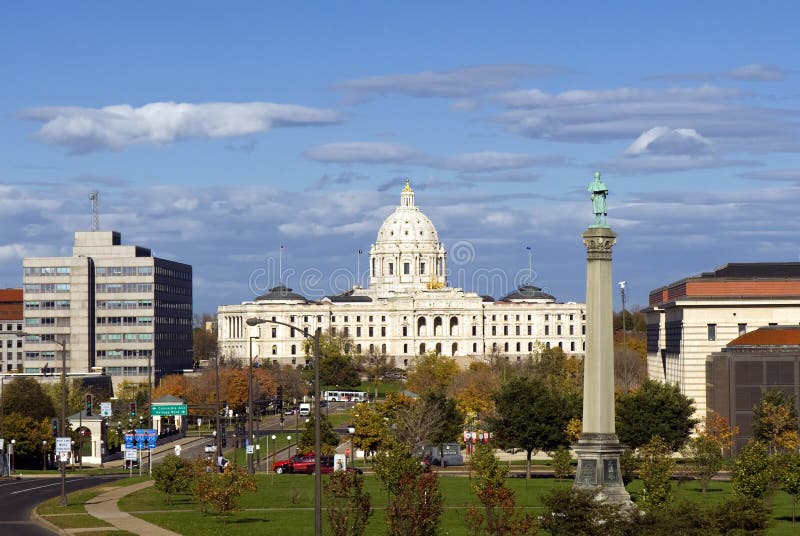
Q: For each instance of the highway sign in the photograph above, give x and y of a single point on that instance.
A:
(129, 438)
(168, 409)
(130, 454)
(105, 409)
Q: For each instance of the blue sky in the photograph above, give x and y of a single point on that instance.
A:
(217, 132)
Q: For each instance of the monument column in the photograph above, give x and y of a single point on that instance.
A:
(598, 448)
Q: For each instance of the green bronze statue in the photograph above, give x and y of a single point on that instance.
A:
(599, 191)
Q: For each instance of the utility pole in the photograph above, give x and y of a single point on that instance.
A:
(624, 342)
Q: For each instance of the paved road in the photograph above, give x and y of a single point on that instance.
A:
(18, 498)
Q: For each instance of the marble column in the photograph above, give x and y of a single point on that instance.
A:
(598, 448)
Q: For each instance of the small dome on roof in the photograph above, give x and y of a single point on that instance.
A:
(281, 293)
(528, 292)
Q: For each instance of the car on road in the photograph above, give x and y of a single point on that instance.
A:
(285, 466)
(289, 411)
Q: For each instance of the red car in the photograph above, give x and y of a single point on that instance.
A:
(308, 465)
(286, 466)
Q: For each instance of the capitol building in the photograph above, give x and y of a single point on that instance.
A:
(407, 310)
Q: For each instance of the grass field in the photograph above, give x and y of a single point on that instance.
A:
(283, 505)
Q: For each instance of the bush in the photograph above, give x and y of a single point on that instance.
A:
(752, 471)
(576, 511)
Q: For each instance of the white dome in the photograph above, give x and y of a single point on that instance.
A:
(407, 225)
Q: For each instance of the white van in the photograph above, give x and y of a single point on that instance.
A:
(305, 410)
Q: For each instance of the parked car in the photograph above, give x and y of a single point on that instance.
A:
(289, 411)
(286, 466)
(450, 454)
(308, 466)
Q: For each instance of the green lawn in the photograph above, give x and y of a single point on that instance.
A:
(284, 504)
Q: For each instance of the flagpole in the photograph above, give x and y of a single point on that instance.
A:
(280, 265)
(358, 267)
(530, 264)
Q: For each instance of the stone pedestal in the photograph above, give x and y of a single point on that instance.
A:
(598, 448)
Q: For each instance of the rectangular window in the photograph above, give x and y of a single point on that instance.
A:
(383, 331)
(547, 330)
(346, 331)
(422, 268)
(742, 329)
(358, 331)
(405, 331)
(505, 330)
(519, 332)
(494, 330)
(558, 330)
(571, 329)
(391, 268)
(530, 330)
(406, 268)
(370, 331)
(474, 331)
(712, 332)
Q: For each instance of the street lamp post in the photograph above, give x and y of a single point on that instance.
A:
(624, 345)
(352, 430)
(44, 455)
(317, 446)
(13, 442)
(250, 468)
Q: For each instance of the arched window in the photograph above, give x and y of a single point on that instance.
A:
(454, 349)
(474, 347)
(405, 362)
(374, 264)
(561, 345)
(453, 326)
(422, 348)
(405, 348)
(572, 347)
(294, 349)
(358, 348)
(437, 326)
(422, 325)
(505, 347)
(547, 345)
(274, 349)
(383, 348)
(530, 347)
(438, 348)
(519, 347)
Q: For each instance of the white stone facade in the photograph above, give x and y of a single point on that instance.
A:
(407, 310)
(113, 306)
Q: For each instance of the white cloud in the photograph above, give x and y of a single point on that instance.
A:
(456, 83)
(363, 152)
(395, 153)
(159, 123)
(757, 72)
(665, 140)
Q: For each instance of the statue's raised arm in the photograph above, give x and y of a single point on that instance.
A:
(599, 192)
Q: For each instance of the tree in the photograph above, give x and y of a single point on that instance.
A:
(775, 421)
(220, 492)
(337, 365)
(432, 418)
(472, 390)
(656, 409)
(557, 370)
(416, 509)
(562, 463)
(173, 475)
(787, 469)
(347, 505)
(717, 428)
(25, 396)
(329, 439)
(204, 341)
(655, 470)
(372, 431)
(28, 434)
(705, 456)
(432, 372)
(751, 471)
(499, 516)
(532, 416)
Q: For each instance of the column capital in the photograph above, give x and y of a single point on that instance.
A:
(599, 241)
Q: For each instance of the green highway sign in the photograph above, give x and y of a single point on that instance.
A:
(168, 409)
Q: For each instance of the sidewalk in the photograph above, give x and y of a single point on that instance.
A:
(105, 507)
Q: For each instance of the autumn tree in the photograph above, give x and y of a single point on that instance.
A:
(204, 340)
(220, 492)
(347, 505)
(775, 421)
(499, 515)
(337, 365)
(557, 370)
(173, 475)
(372, 431)
(430, 419)
(432, 372)
(532, 416)
(472, 390)
(655, 409)
(704, 455)
(28, 434)
(415, 501)
(717, 428)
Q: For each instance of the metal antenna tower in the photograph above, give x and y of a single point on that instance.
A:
(94, 198)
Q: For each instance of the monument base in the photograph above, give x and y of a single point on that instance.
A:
(598, 468)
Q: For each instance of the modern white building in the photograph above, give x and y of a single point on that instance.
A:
(692, 318)
(109, 307)
(407, 310)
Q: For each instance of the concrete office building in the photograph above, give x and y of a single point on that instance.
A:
(697, 316)
(10, 325)
(408, 308)
(114, 307)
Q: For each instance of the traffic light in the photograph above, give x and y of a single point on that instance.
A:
(88, 405)
(54, 424)
(133, 409)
